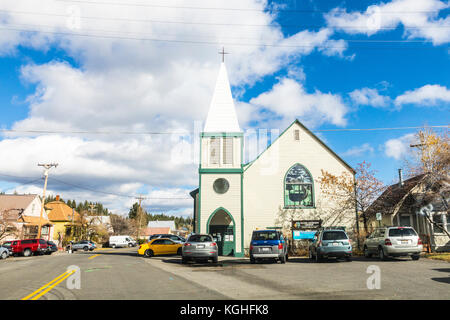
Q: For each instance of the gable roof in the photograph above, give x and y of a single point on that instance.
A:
(296, 121)
(393, 195)
(162, 224)
(59, 211)
(222, 113)
(15, 202)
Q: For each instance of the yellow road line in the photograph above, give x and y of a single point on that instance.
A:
(53, 285)
(48, 284)
(93, 256)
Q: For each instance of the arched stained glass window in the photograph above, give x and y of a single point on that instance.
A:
(298, 188)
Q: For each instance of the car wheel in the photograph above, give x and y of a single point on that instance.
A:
(348, 258)
(215, 259)
(4, 255)
(148, 253)
(252, 260)
(415, 257)
(113, 246)
(86, 248)
(179, 251)
(27, 252)
(183, 260)
(130, 245)
(381, 254)
(367, 254)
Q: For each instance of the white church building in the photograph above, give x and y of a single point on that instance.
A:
(234, 199)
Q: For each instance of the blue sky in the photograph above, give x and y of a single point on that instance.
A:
(75, 66)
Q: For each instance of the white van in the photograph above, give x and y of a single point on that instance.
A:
(121, 241)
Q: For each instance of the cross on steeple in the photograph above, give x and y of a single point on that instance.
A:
(223, 53)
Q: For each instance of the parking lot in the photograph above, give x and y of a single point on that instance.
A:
(121, 274)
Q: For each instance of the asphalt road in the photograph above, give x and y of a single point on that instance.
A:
(121, 274)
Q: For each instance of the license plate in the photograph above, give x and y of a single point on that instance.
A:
(200, 246)
(335, 243)
(405, 241)
(265, 249)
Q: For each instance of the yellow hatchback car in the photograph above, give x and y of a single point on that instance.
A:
(159, 246)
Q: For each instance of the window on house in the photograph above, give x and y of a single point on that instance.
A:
(296, 135)
(447, 216)
(438, 219)
(227, 150)
(298, 188)
(214, 150)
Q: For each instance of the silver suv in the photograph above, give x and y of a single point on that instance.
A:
(199, 247)
(394, 242)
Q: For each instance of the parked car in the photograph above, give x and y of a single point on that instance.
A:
(52, 247)
(394, 242)
(83, 245)
(173, 237)
(330, 243)
(159, 246)
(121, 241)
(268, 244)
(26, 247)
(200, 247)
(4, 252)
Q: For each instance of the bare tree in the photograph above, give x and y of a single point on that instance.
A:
(7, 223)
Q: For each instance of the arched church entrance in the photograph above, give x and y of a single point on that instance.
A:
(222, 227)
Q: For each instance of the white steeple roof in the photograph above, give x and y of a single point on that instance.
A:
(222, 114)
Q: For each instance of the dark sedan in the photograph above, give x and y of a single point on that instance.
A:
(52, 247)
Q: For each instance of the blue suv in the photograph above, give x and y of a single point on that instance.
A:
(268, 244)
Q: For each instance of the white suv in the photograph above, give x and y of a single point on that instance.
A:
(393, 241)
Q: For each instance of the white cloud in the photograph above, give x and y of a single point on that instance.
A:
(419, 18)
(359, 150)
(428, 95)
(369, 97)
(118, 84)
(399, 147)
(290, 100)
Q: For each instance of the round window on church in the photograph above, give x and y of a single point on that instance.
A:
(221, 185)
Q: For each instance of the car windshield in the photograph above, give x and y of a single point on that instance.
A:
(200, 238)
(7, 244)
(266, 235)
(334, 235)
(402, 232)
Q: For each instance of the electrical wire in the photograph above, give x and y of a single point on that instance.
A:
(187, 133)
(97, 18)
(220, 8)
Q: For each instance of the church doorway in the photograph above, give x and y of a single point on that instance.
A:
(221, 227)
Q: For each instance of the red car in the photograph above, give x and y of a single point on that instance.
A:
(27, 247)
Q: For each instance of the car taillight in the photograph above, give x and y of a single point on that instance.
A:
(419, 241)
(213, 244)
(187, 244)
(251, 247)
(280, 246)
(387, 242)
(140, 247)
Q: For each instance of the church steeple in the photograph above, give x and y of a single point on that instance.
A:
(222, 113)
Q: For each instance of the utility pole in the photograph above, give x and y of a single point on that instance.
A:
(139, 217)
(356, 213)
(47, 167)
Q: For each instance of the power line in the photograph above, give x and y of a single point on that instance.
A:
(96, 18)
(186, 133)
(306, 44)
(219, 8)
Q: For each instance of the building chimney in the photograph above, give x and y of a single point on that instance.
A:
(400, 178)
(57, 198)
